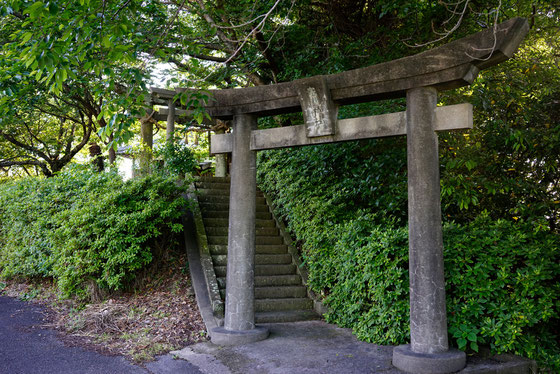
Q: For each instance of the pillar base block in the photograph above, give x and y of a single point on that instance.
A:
(428, 363)
(224, 337)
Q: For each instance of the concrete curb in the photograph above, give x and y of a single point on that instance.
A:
(206, 261)
(197, 274)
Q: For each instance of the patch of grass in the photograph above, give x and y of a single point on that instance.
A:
(75, 322)
(103, 338)
(30, 295)
(160, 314)
(135, 312)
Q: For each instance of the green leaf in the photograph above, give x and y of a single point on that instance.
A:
(106, 41)
(35, 9)
(25, 38)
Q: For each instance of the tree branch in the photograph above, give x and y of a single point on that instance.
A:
(28, 148)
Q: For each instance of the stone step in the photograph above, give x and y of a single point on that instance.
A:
(219, 207)
(268, 240)
(223, 231)
(212, 179)
(224, 199)
(280, 292)
(269, 281)
(225, 186)
(223, 222)
(225, 214)
(213, 239)
(264, 270)
(275, 292)
(286, 316)
(261, 249)
(282, 259)
(273, 305)
(223, 240)
(210, 191)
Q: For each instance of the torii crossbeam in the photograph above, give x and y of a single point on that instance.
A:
(418, 78)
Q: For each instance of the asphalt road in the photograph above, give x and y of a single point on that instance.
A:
(28, 348)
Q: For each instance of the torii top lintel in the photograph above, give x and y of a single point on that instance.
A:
(450, 66)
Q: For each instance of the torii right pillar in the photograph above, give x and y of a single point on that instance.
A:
(428, 351)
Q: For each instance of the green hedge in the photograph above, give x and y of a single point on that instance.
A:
(502, 277)
(82, 227)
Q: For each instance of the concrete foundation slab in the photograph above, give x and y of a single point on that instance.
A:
(315, 347)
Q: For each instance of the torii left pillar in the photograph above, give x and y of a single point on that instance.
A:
(239, 322)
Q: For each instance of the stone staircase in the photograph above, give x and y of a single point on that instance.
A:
(280, 295)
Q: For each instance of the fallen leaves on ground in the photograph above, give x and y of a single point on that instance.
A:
(161, 317)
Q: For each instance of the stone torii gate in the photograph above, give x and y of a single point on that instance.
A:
(418, 78)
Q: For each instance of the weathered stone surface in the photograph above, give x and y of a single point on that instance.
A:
(199, 275)
(181, 116)
(224, 337)
(409, 361)
(221, 160)
(204, 258)
(450, 66)
(428, 319)
(452, 117)
(221, 143)
(319, 111)
(147, 139)
(170, 128)
(240, 308)
(239, 321)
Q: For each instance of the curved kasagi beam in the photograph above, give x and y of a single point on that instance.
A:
(450, 66)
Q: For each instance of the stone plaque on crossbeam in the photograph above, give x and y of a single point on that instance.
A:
(319, 110)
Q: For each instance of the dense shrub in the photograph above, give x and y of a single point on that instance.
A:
(82, 227)
(178, 159)
(503, 287)
(502, 275)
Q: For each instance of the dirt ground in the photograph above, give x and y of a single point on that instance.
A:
(159, 317)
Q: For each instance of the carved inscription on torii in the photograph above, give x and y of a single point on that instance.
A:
(319, 110)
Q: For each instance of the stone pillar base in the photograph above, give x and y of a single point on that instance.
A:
(428, 363)
(224, 337)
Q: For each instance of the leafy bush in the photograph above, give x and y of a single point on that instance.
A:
(82, 227)
(178, 158)
(502, 276)
(366, 274)
(503, 287)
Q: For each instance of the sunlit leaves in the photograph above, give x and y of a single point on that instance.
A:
(61, 44)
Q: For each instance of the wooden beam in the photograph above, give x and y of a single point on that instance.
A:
(452, 117)
(450, 66)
